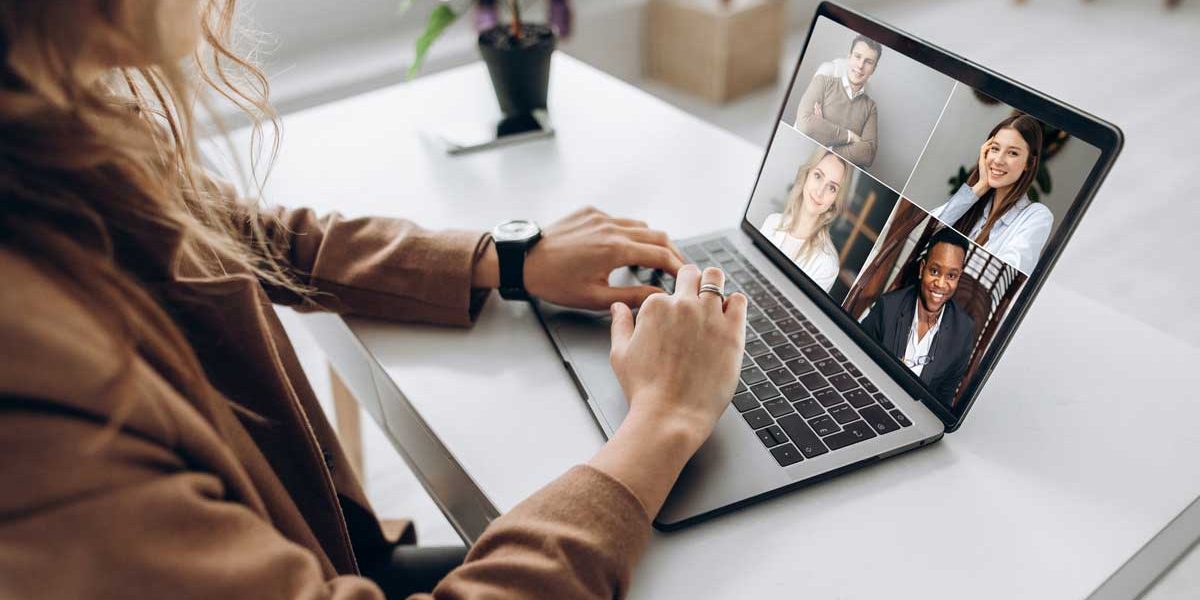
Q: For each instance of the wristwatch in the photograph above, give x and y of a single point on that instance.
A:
(513, 240)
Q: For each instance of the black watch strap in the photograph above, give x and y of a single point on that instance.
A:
(512, 269)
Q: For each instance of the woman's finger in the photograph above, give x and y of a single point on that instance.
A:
(630, 223)
(622, 327)
(715, 277)
(687, 282)
(653, 237)
(735, 308)
(650, 256)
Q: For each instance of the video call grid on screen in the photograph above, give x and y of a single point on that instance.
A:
(901, 141)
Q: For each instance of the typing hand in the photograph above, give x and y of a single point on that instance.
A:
(571, 264)
(680, 360)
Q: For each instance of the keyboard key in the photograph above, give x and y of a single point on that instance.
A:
(878, 419)
(764, 391)
(741, 387)
(823, 425)
(900, 418)
(828, 367)
(809, 408)
(768, 362)
(766, 438)
(741, 277)
(827, 397)
(824, 341)
(870, 387)
(883, 401)
(858, 398)
(843, 414)
(786, 455)
(812, 328)
(853, 370)
(774, 338)
(757, 418)
(802, 435)
(814, 353)
(777, 312)
(766, 301)
(752, 376)
(799, 316)
(852, 434)
(777, 433)
(694, 251)
(801, 339)
(813, 381)
(744, 401)
(713, 246)
(762, 324)
(747, 361)
(778, 407)
(800, 366)
(838, 355)
(843, 382)
(794, 391)
(788, 325)
(753, 313)
(757, 347)
(787, 352)
(781, 376)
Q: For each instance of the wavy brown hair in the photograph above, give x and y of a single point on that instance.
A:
(1030, 130)
(95, 172)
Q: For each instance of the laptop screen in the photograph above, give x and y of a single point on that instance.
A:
(919, 204)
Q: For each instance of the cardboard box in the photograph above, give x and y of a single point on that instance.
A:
(717, 50)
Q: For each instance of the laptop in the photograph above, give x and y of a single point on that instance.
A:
(909, 207)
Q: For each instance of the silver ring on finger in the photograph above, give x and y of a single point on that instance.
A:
(712, 288)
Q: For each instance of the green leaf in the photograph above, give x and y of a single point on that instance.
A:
(441, 18)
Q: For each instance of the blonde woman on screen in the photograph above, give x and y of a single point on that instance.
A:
(802, 230)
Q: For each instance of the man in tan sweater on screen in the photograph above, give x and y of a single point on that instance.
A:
(836, 111)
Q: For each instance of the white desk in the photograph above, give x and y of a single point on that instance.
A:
(1071, 460)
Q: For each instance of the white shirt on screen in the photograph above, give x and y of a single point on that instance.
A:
(917, 347)
(1019, 234)
(822, 265)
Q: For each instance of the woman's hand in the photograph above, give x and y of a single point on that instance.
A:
(571, 264)
(678, 366)
(982, 186)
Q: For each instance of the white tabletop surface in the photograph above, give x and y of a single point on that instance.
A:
(1076, 454)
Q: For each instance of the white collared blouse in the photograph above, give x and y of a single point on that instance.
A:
(1017, 237)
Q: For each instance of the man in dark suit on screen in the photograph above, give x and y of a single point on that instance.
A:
(922, 325)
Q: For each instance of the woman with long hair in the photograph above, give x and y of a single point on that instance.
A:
(801, 231)
(992, 207)
(157, 435)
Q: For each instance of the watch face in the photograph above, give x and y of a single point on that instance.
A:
(514, 231)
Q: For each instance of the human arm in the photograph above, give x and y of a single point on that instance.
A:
(812, 122)
(860, 149)
(394, 269)
(956, 206)
(1025, 239)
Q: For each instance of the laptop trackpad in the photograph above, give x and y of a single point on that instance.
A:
(583, 339)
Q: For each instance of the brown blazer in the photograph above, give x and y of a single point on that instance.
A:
(245, 493)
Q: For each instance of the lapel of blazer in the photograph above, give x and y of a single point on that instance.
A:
(227, 320)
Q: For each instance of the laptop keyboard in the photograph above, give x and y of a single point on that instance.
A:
(799, 394)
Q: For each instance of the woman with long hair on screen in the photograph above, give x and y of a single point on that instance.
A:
(992, 208)
(158, 438)
(801, 231)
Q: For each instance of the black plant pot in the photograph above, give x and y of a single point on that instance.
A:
(520, 67)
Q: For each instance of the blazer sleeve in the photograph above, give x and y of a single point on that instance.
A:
(377, 267)
(579, 537)
(819, 128)
(872, 324)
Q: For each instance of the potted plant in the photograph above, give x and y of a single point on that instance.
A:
(517, 53)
